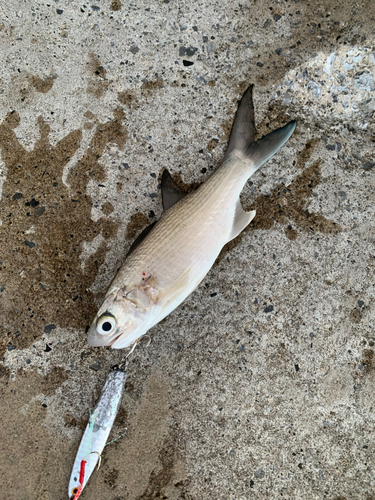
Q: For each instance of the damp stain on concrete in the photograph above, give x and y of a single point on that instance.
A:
(212, 144)
(71, 421)
(110, 477)
(53, 380)
(126, 98)
(355, 315)
(97, 83)
(115, 5)
(187, 187)
(107, 208)
(144, 458)
(161, 476)
(286, 205)
(41, 85)
(30, 446)
(44, 226)
(153, 84)
(368, 360)
(137, 222)
(149, 86)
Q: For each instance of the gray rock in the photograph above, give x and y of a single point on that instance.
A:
(364, 81)
(187, 51)
(49, 328)
(211, 47)
(315, 89)
(134, 49)
(368, 165)
(348, 65)
(259, 474)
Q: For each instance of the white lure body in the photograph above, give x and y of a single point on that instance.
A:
(97, 431)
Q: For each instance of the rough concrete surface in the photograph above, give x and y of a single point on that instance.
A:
(261, 385)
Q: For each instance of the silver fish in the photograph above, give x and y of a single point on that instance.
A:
(179, 250)
(97, 432)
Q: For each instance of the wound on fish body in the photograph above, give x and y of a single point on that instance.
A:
(177, 251)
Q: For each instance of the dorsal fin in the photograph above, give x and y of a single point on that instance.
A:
(171, 194)
(170, 191)
(243, 130)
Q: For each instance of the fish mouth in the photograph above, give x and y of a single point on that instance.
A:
(114, 339)
(97, 341)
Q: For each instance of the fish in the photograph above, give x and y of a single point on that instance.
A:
(169, 261)
(97, 431)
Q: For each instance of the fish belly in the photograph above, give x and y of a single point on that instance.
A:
(184, 244)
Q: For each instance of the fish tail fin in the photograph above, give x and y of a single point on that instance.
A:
(243, 129)
(242, 139)
(261, 151)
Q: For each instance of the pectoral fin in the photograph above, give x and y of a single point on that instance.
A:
(241, 220)
(173, 292)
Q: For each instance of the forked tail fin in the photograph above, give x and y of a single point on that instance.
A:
(261, 151)
(243, 135)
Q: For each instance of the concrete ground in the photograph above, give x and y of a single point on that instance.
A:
(261, 385)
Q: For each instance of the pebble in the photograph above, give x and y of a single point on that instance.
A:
(368, 165)
(187, 51)
(211, 47)
(364, 81)
(49, 328)
(315, 89)
(329, 63)
(259, 474)
(268, 309)
(39, 211)
(95, 367)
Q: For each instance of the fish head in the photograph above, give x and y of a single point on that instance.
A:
(121, 319)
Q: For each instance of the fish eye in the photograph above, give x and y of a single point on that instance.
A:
(74, 491)
(105, 325)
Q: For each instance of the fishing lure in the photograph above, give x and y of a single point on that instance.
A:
(97, 431)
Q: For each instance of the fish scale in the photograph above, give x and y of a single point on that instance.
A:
(174, 235)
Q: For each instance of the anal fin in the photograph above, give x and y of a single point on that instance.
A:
(241, 220)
